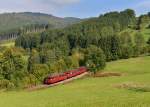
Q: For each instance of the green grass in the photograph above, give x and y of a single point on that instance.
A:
(7, 43)
(90, 92)
(131, 66)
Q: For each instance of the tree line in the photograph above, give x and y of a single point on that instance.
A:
(15, 33)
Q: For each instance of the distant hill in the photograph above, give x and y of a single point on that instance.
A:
(9, 21)
(72, 19)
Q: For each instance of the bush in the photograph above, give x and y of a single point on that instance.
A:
(126, 52)
(40, 71)
(29, 81)
(148, 49)
(10, 86)
(95, 59)
(6, 84)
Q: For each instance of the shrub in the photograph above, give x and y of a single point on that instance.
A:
(29, 81)
(95, 59)
(6, 84)
(40, 71)
(126, 52)
(10, 86)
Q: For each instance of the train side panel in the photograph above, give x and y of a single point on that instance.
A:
(64, 76)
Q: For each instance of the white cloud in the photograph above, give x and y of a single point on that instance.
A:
(143, 4)
(142, 7)
(46, 6)
(64, 2)
(56, 2)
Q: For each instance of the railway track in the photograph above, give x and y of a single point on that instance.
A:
(55, 84)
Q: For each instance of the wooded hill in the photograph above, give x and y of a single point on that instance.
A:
(11, 21)
(12, 24)
(90, 43)
(103, 32)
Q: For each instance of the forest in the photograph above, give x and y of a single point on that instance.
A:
(91, 43)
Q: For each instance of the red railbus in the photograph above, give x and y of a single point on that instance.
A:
(66, 75)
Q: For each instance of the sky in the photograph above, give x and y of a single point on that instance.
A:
(74, 8)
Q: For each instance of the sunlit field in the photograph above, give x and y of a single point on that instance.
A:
(89, 91)
(9, 43)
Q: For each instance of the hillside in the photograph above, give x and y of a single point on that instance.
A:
(9, 21)
(98, 31)
(75, 53)
(91, 43)
(91, 92)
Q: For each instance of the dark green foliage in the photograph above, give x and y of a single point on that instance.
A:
(126, 51)
(40, 71)
(30, 40)
(126, 45)
(111, 46)
(85, 33)
(139, 44)
(125, 38)
(33, 59)
(115, 47)
(94, 59)
(148, 47)
(102, 32)
(139, 39)
(12, 69)
(58, 66)
(6, 84)
(10, 63)
(148, 42)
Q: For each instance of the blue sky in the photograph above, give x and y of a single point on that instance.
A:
(74, 8)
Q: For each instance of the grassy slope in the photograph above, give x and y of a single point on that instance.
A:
(7, 43)
(133, 66)
(90, 92)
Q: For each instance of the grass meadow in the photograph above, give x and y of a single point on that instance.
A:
(89, 91)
